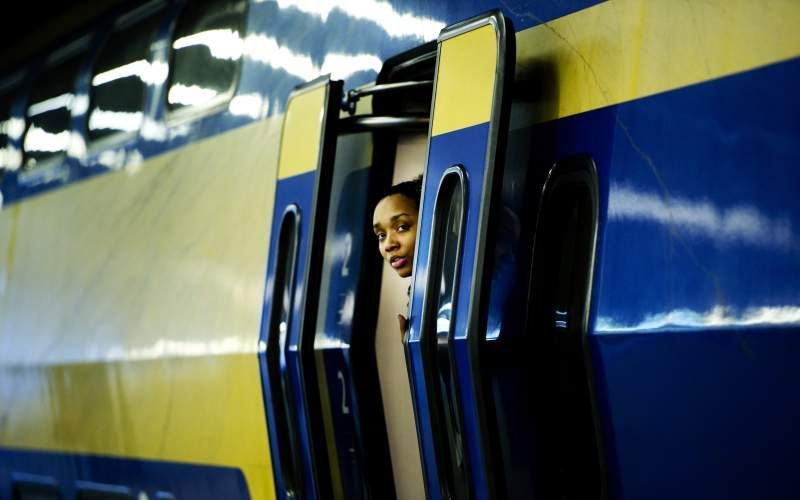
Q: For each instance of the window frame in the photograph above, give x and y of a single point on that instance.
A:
(54, 167)
(219, 103)
(291, 465)
(127, 20)
(429, 337)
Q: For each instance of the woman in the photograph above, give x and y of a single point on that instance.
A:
(394, 223)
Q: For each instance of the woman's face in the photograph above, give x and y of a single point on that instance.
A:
(395, 224)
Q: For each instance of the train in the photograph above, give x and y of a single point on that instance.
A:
(605, 299)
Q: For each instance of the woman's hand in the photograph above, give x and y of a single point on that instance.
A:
(403, 321)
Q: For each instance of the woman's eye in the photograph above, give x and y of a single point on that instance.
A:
(402, 227)
(381, 236)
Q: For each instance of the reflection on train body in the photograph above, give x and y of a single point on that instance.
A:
(604, 301)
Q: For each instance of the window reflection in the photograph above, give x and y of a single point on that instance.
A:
(10, 131)
(49, 113)
(206, 53)
(120, 78)
(438, 335)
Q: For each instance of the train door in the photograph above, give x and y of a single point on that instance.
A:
(343, 342)
(475, 66)
(289, 379)
(375, 122)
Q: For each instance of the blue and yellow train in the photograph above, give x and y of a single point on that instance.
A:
(605, 302)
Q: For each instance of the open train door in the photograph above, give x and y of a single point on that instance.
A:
(286, 355)
(469, 124)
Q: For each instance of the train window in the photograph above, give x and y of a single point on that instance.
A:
(280, 315)
(49, 114)
(87, 490)
(206, 55)
(8, 125)
(119, 79)
(436, 332)
(34, 487)
(567, 446)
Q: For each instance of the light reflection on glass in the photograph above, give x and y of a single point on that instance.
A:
(323, 341)
(154, 74)
(221, 43)
(560, 319)
(13, 128)
(38, 139)
(10, 158)
(394, 23)
(125, 121)
(190, 95)
(718, 316)
(52, 104)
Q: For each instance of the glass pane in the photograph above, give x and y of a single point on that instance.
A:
(49, 113)
(280, 317)
(10, 130)
(112, 493)
(448, 220)
(567, 464)
(119, 80)
(206, 53)
(338, 301)
(33, 491)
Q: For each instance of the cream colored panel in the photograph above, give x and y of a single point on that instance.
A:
(130, 307)
(397, 405)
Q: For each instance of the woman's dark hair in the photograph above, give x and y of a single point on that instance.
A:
(410, 189)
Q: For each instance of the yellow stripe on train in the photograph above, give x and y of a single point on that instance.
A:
(622, 50)
(465, 80)
(302, 130)
(613, 52)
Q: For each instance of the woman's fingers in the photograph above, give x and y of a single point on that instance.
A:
(403, 321)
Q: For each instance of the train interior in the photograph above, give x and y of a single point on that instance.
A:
(393, 123)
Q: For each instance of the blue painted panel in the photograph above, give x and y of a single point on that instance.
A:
(466, 147)
(141, 476)
(343, 269)
(697, 303)
(709, 414)
(510, 406)
(293, 190)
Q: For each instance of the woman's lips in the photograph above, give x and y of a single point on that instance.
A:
(398, 262)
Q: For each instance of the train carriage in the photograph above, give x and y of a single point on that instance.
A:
(604, 301)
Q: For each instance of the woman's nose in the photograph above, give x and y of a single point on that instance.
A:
(390, 243)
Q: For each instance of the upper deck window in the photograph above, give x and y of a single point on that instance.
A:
(49, 113)
(206, 54)
(11, 129)
(120, 78)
